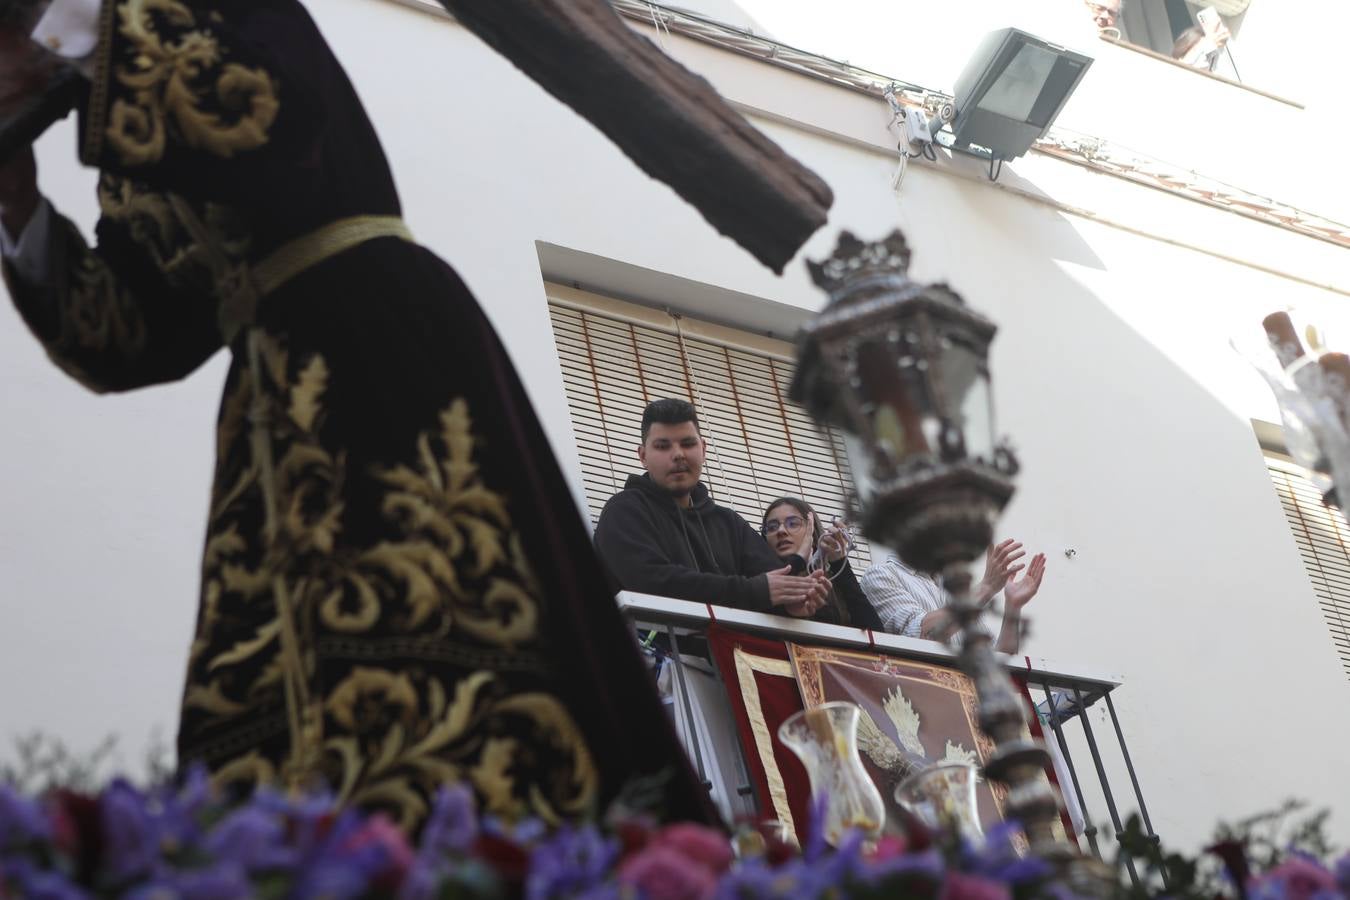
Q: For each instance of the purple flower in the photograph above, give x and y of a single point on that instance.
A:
(755, 879)
(452, 826)
(140, 830)
(21, 820)
(442, 877)
(846, 864)
(31, 883)
(1343, 874)
(572, 861)
(332, 881)
(192, 797)
(307, 819)
(752, 879)
(1297, 878)
(999, 860)
(450, 831)
(341, 865)
(253, 838)
(423, 881)
(909, 870)
(131, 839)
(815, 827)
(222, 881)
(525, 831)
(608, 891)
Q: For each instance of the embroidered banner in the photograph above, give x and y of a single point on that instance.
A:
(915, 713)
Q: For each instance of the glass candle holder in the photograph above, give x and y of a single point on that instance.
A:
(942, 797)
(825, 739)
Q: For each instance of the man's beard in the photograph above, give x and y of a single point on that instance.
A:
(682, 490)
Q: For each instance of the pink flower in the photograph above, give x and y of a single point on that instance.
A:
(956, 886)
(699, 844)
(1302, 878)
(380, 831)
(664, 873)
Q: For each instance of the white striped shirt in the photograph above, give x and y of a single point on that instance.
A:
(901, 596)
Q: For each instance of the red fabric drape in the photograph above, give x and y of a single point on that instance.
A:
(779, 699)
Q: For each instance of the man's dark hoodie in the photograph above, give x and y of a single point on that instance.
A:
(705, 552)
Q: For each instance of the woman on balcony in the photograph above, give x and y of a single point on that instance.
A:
(793, 531)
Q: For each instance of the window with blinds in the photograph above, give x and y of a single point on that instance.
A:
(1324, 540)
(617, 357)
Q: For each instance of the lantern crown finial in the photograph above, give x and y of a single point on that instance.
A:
(853, 258)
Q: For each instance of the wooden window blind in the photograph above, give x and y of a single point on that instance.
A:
(1323, 539)
(618, 357)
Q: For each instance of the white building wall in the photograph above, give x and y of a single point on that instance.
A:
(1112, 372)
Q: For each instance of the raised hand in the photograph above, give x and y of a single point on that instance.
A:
(1000, 565)
(804, 548)
(834, 542)
(1018, 592)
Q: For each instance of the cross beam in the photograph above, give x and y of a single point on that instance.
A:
(668, 120)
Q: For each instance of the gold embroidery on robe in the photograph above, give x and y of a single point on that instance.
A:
(172, 74)
(393, 728)
(154, 225)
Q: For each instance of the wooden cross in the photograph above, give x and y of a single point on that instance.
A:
(665, 118)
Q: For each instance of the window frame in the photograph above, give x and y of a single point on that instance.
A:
(744, 470)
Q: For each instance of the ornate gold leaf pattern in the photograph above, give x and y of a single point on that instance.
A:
(173, 75)
(152, 222)
(98, 315)
(449, 566)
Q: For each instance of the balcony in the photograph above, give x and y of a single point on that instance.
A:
(732, 767)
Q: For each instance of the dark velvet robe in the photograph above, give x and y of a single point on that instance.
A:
(425, 606)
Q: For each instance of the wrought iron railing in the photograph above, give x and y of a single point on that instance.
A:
(1062, 696)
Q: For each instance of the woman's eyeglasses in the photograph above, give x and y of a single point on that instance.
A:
(791, 523)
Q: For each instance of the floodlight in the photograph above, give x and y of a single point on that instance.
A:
(1011, 91)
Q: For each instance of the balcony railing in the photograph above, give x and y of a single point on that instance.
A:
(1065, 695)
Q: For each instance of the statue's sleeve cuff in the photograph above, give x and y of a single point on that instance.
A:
(69, 28)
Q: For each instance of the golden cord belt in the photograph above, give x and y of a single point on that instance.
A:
(245, 286)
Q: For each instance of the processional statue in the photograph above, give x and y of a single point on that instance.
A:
(394, 591)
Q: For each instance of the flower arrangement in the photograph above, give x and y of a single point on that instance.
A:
(186, 843)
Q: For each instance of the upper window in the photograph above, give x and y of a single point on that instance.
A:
(617, 357)
(1201, 35)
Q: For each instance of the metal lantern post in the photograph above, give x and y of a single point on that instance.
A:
(903, 367)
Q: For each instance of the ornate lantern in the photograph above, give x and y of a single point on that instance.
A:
(903, 366)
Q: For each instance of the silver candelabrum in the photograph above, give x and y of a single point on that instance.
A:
(903, 367)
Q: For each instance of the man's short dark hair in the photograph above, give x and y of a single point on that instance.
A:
(669, 411)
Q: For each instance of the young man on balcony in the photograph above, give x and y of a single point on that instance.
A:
(663, 534)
